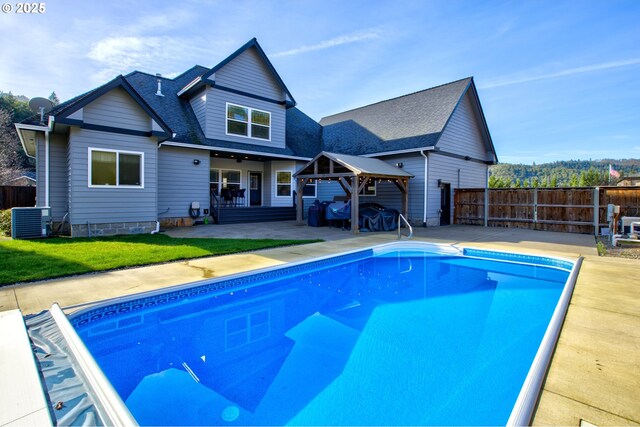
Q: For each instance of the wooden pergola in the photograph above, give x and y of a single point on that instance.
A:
(353, 173)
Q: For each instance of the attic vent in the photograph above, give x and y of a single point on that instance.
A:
(159, 92)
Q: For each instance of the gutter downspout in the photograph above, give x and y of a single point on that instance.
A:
(426, 187)
(47, 150)
(46, 168)
(157, 228)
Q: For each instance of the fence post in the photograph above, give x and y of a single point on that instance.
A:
(486, 207)
(596, 211)
(535, 205)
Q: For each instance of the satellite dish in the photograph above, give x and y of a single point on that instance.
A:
(40, 105)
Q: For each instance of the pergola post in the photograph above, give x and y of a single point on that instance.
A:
(403, 186)
(355, 203)
(300, 183)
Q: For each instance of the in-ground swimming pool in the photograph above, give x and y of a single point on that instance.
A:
(409, 334)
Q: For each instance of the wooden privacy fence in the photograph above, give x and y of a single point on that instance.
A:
(573, 210)
(15, 197)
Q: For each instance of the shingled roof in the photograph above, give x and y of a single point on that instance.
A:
(414, 121)
(406, 122)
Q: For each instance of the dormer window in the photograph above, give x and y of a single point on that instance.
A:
(248, 122)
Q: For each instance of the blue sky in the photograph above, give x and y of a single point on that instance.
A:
(557, 80)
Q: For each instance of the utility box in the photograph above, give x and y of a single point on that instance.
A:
(30, 223)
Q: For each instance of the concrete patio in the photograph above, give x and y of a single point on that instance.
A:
(595, 372)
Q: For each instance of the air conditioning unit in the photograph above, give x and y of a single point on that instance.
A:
(30, 223)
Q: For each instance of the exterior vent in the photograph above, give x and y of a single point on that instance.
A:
(30, 223)
(159, 92)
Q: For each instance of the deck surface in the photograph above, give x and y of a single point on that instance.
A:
(595, 371)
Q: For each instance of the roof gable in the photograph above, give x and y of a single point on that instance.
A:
(64, 110)
(197, 83)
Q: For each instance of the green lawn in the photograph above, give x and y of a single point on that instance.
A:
(27, 260)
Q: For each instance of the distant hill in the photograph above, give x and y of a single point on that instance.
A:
(569, 173)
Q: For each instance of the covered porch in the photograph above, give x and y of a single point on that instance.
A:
(353, 173)
(249, 187)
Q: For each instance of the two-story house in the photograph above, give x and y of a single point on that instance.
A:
(141, 149)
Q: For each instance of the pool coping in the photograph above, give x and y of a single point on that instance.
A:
(528, 397)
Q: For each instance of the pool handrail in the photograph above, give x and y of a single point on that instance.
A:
(403, 219)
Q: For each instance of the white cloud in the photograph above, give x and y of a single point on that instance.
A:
(117, 55)
(370, 34)
(508, 81)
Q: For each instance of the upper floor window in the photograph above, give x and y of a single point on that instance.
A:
(245, 121)
(115, 168)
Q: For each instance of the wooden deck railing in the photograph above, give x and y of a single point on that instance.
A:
(573, 210)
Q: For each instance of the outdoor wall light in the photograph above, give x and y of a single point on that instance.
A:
(399, 164)
(196, 162)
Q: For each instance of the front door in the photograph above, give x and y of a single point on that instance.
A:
(255, 188)
(445, 204)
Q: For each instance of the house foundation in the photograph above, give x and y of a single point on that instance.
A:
(112, 229)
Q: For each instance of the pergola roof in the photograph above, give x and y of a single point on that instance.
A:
(352, 173)
(327, 165)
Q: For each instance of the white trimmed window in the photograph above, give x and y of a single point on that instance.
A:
(248, 122)
(309, 189)
(224, 178)
(283, 184)
(115, 168)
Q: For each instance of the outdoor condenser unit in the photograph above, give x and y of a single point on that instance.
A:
(30, 223)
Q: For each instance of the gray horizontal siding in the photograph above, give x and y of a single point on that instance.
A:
(462, 134)
(472, 175)
(216, 118)
(199, 105)
(389, 195)
(248, 73)
(110, 205)
(117, 109)
(180, 182)
(58, 176)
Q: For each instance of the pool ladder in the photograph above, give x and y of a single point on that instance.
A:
(402, 219)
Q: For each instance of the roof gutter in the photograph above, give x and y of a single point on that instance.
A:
(390, 153)
(36, 128)
(228, 150)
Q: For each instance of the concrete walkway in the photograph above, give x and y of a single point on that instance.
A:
(594, 374)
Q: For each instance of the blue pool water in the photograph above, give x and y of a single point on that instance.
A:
(408, 337)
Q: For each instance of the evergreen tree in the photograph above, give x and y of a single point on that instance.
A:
(54, 98)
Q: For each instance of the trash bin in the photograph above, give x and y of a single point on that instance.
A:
(317, 213)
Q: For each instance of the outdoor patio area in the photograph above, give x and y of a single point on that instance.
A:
(594, 373)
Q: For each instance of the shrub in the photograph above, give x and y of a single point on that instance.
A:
(5, 222)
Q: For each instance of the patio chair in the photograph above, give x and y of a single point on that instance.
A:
(226, 196)
(239, 196)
